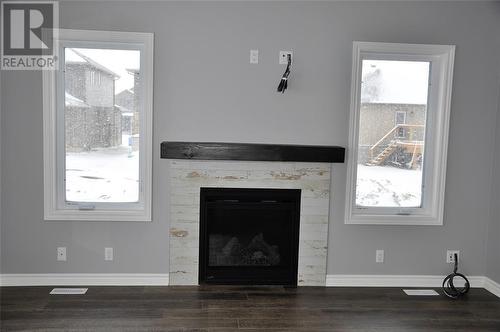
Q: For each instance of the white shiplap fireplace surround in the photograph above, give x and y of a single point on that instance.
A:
(188, 176)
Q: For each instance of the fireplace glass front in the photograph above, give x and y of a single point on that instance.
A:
(249, 236)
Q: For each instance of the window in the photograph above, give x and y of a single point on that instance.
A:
(400, 108)
(400, 121)
(98, 127)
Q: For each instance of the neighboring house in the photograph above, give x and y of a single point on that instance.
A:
(126, 99)
(92, 121)
(384, 123)
(392, 122)
(137, 97)
(76, 112)
(125, 102)
(128, 103)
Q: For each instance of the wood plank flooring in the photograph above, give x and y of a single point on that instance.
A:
(240, 308)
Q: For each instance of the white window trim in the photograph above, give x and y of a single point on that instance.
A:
(431, 212)
(55, 207)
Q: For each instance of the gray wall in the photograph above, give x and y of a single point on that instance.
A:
(205, 90)
(493, 244)
(1, 185)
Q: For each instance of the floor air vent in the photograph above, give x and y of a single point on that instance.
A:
(420, 292)
(69, 291)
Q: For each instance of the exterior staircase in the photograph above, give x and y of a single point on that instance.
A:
(382, 156)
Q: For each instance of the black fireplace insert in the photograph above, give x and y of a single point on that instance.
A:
(249, 236)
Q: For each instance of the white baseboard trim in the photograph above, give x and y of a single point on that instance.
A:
(84, 279)
(355, 280)
(492, 286)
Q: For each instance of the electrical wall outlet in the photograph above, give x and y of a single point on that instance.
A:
(283, 59)
(108, 254)
(450, 255)
(254, 56)
(379, 256)
(61, 253)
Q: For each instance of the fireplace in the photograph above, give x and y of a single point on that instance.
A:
(249, 236)
(187, 177)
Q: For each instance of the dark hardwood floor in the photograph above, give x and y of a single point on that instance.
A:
(224, 308)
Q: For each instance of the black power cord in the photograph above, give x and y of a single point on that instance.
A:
(284, 79)
(449, 287)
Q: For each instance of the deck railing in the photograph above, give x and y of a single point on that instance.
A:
(391, 134)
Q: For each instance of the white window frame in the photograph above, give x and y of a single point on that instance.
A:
(441, 58)
(55, 205)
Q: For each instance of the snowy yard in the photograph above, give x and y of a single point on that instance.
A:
(112, 175)
(388, 186)
(103, 175)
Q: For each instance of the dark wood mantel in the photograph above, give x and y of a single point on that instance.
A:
(252, 152)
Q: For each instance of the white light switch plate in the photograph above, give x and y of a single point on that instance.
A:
(108, 254)
(379, 256)
(254, 56)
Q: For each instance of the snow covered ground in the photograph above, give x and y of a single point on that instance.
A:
(112, 175)
(388, 186)
(103, 175)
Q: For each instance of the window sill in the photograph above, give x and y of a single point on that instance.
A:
(419, 220)
(78, 215)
